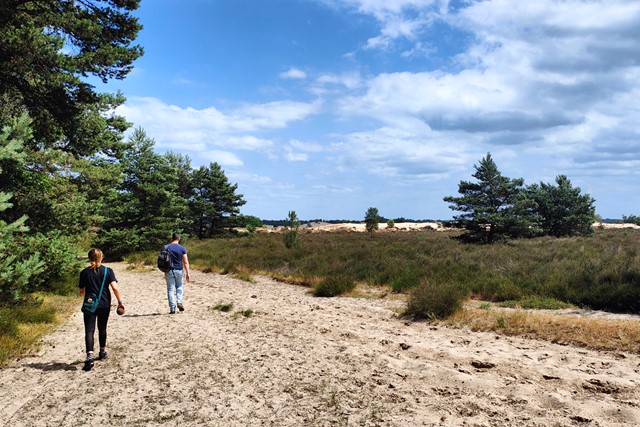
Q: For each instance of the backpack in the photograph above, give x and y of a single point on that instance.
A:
(164, 259)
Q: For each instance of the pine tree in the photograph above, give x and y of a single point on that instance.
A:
(16, 271)
(48, 49)
(214, 201)
(371, 219)
(562, 210)
(495, 207)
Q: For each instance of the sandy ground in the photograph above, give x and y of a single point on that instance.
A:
(401, 226)
(306, 361)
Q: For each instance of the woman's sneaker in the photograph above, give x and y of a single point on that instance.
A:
(102, 355)
(88, 364)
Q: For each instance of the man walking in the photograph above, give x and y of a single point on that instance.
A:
(174, 276)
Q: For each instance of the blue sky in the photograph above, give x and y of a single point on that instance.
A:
(329, 107)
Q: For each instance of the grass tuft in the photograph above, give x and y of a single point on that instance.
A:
(333, 286)
(222, 307)
(431, 301)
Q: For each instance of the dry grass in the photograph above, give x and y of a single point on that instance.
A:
(596, 334)
(26, 338)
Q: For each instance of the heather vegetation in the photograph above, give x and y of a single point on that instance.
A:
(599, 272)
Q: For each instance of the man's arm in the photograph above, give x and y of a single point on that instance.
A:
(185, 266)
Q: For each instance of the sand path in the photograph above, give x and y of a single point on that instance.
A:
(306, 361)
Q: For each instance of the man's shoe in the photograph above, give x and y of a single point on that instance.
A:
(102, 355)
(172, 312)
(180, 306)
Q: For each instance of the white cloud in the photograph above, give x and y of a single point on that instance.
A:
(273, 115)
(297, 157)
(247, 142)
(349, 80)
(187, 128)
(293, 73)
(310, 147)
(224, 158)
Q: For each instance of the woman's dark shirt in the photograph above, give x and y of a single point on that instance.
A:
(91, 281)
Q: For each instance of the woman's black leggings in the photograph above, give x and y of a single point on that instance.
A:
(102, 315)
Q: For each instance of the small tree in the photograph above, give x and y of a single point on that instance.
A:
(291, 236)
(214, 202)
(562, 210)
(495, 207)
(372, 219)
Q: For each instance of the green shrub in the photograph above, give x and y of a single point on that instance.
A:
(432, 301)
(223, 307)
(333, 286)
(61, 265)
(407, 280)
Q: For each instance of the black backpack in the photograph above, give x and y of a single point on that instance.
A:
(164, 259)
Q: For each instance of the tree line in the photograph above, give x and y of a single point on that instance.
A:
(65, 164)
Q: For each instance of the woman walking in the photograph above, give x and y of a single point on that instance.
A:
(92, 279)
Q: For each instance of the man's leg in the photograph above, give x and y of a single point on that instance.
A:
(171, 288)
(179, 289)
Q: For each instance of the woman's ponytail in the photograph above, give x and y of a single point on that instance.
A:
(95, 258)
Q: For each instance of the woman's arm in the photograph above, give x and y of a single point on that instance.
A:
(116, 292)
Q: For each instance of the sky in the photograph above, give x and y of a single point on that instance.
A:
(330, 107)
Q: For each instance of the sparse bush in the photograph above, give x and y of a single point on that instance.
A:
(333, 286)
(244, 313)
(223, 307)
(432, 301)
(291, 236)
(391, 224)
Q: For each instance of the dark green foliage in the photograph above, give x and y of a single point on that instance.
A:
(148, 206)
(18, 269)
(291, 236)
(334, 285)
(60, 256)
(48, 48)
(162, 194)
(214, 201)
(371, 219)
(247, 221)
(495, 207)
(631, 219)
(562, 210)
(434, 301)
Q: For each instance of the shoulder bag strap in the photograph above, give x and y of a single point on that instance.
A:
(103, 280)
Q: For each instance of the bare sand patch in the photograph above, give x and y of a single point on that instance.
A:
(306, 361)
